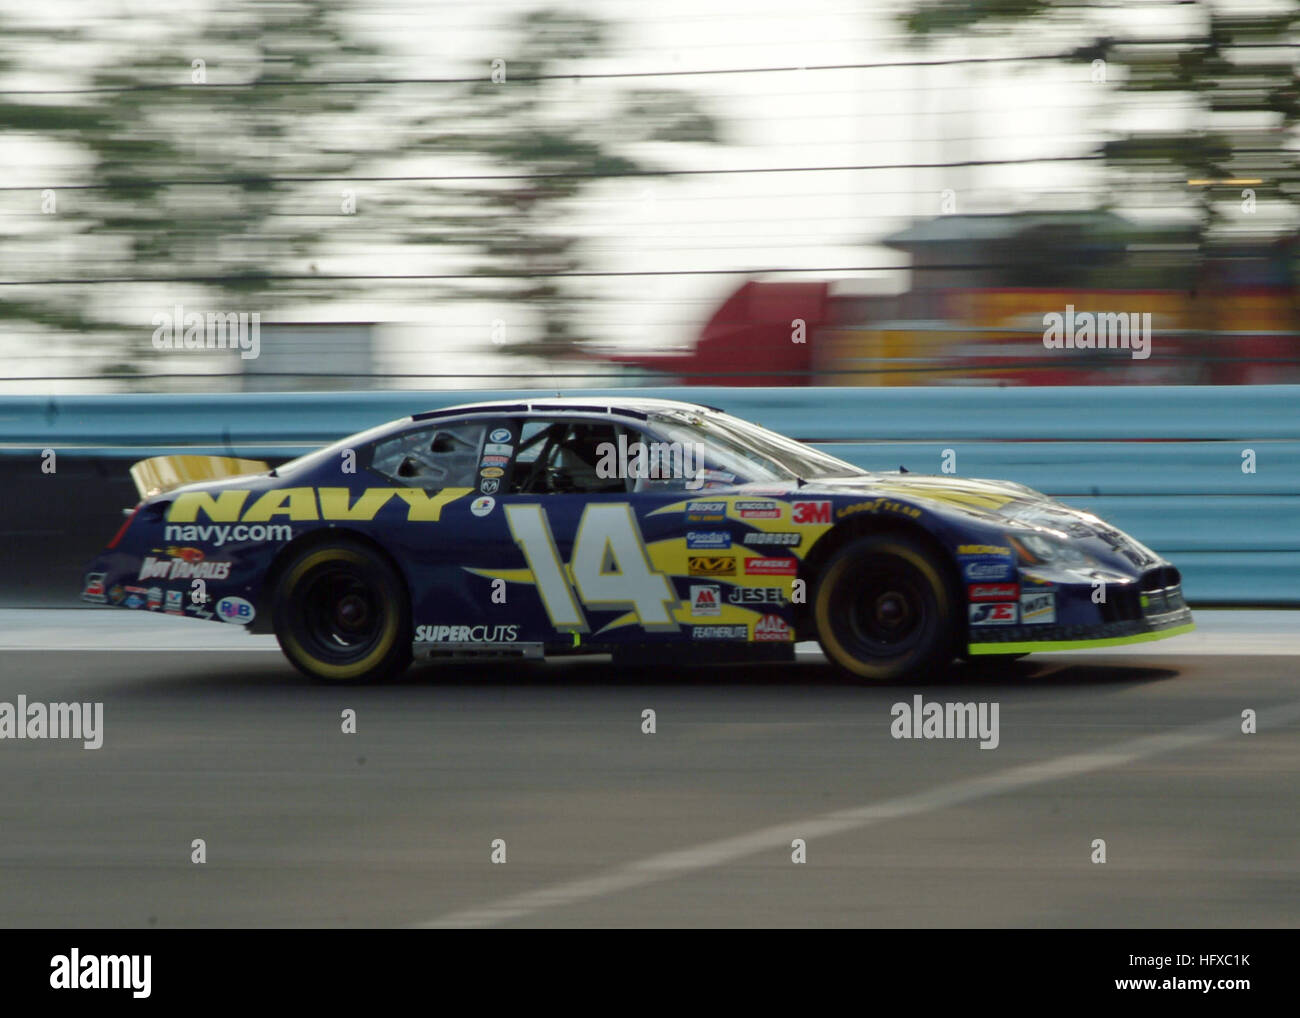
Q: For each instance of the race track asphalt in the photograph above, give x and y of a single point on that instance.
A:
(690, 826)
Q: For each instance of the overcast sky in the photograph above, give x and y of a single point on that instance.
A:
(744, 222)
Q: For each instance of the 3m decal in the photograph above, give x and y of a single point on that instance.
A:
(810, 512)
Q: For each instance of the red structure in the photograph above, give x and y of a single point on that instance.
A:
(750, 340)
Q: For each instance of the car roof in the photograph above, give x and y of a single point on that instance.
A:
(624, 406)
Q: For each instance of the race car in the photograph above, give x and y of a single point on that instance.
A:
(653, 530)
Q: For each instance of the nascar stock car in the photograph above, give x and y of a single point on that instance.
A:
(650, 529)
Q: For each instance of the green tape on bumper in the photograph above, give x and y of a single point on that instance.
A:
(1042, 646)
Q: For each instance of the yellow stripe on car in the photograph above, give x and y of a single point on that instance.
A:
(1039, 646)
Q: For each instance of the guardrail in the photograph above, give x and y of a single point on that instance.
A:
(1207, 475)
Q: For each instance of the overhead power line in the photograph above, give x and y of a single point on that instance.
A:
(1087, 52)
(574, 175)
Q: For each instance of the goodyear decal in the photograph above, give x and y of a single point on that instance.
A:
(879, 505)
(308, 504)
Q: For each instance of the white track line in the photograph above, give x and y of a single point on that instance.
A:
(776, 839)
(1239, 633)
(120, 629)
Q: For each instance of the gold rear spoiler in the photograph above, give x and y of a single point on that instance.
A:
(163, 473)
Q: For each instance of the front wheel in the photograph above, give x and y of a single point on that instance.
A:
(341, 614)
(884, 610)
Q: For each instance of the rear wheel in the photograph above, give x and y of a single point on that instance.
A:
(341, 614)
(884, 609)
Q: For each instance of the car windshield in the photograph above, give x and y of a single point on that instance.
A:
(750, 452)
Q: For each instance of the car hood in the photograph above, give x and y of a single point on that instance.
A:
(996, 501)
(1000, 503)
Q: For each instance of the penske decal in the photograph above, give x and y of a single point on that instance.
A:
(305, 504)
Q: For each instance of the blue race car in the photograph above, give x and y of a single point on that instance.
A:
(650, 529)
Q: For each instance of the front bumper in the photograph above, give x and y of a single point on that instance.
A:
(1152, 608)
(1039, 639)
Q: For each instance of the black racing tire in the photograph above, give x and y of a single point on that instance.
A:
(342, 615)
(885, 609)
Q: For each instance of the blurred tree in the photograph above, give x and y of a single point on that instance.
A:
(249, 118)
(1236, 69)
(558, 138)
(202, 144)
(32, 224)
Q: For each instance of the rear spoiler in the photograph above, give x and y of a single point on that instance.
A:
(163, 473)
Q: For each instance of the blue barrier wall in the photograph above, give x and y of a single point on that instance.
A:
(1165, 464)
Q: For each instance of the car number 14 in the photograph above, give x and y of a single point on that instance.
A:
(610, 567)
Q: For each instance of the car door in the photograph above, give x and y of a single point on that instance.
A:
(584, 569)
(441, 460)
